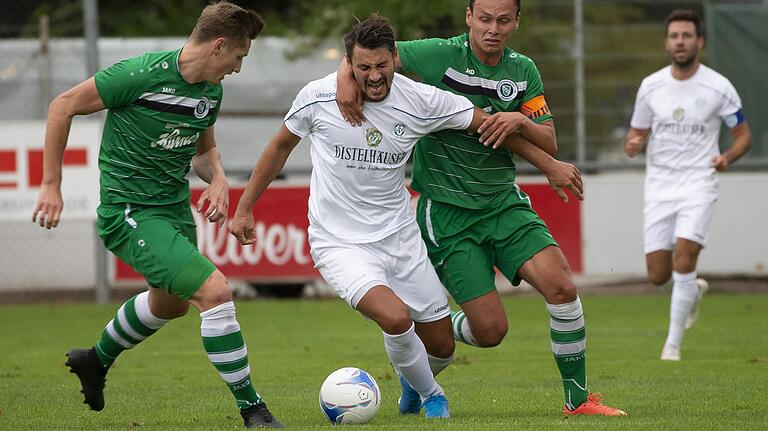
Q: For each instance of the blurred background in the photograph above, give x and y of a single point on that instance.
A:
(592, 55)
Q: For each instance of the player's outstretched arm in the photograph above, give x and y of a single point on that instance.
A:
(742, 141)
(81, 99)
(207, 165)
(266, 170)
(635, 143)
(560, 175)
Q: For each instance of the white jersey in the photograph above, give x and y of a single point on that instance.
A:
(357, 191)
(685, 117)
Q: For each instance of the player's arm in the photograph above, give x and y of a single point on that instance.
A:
(742, 141)
(81, 99)
(266, 170)
(502, 124)
(636, 140)
(560, 175)
(207, 165)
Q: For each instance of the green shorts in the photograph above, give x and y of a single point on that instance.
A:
(158, 242)
(465, 244)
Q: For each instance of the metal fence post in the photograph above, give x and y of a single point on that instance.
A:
(578, 53)
(91, 32)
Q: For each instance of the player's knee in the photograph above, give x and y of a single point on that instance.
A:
(684, 264)
(492, 334)
(562, 293)
(215, 291)
(658, 278)
(395, 321)
(441, 348)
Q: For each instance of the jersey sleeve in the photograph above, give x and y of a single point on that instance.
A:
(534, 105)
(731, 102)
(122, 83)
(448, 111)
(299, 119)
(427, 58)
(642, 116)
(217, 108)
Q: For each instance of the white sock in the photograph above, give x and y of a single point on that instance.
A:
(409, 357)
(437, 365)
(143, 312)
(461, 330)
(684, 291)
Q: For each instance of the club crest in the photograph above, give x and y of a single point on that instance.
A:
(373, 137)
(507, 90)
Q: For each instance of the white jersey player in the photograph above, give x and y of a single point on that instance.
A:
(682, 107)
(363, 234)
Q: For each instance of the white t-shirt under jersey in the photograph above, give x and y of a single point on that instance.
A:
(685, 118)
(356, 190)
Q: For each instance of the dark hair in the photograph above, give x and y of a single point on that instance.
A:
(472, 6)
(228, 20)
(375, 32)
(685, 15)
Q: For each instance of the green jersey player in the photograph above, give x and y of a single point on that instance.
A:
(161, 110)
(472, 215)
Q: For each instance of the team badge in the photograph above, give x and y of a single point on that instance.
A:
(373, 137)
(506, 89)
(678, 114)
(202, 108)
(399, 129)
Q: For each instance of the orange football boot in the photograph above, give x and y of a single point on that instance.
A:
(594, 407)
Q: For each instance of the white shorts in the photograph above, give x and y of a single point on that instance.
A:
(398, 261)
(669, 220)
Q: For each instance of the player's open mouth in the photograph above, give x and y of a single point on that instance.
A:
(376, 88)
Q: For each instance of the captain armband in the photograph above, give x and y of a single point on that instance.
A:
(535, 108)
(734, 119)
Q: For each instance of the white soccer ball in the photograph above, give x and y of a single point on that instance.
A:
(349, 396)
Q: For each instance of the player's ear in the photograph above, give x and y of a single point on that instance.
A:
(218, 45)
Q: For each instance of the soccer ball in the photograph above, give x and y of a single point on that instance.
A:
(349, 396)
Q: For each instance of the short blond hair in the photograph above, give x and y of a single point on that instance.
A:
(227, 20)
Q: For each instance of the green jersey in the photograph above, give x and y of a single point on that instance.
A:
(451, 166)
(153, 121)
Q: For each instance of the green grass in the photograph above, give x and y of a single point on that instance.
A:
(167, 383)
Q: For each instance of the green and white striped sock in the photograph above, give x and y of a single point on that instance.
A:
(227, 352)
(132, 324)
(461, 330)
(569, 344)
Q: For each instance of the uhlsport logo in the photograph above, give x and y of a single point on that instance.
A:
(507, 90)
(202, 108)
(373, 137)
(399, 129)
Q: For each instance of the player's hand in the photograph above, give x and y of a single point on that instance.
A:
(720, 163)
(242, 227)
(48, 207)
(217, 198)
(498, 126)
(562, 176)
(350, 101)
(634, 146)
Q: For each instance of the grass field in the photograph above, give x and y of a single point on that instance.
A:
(167, 383)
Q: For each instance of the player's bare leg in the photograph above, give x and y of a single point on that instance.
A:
(659, 264)
(687, 292)
(482, 321)
(548, 272)
(405, 349)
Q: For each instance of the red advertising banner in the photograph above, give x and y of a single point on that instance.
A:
(281, 252)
